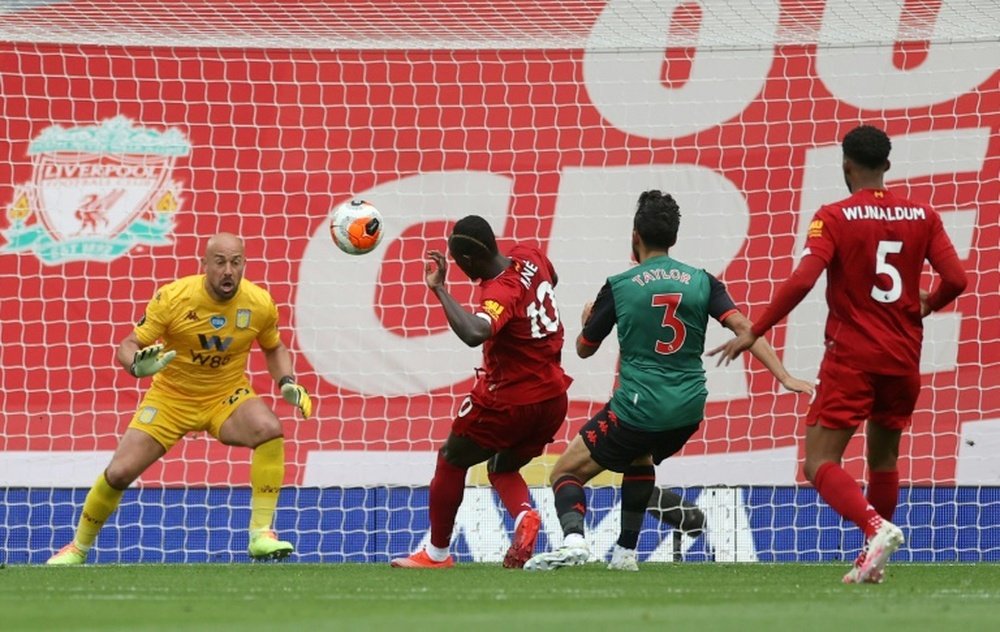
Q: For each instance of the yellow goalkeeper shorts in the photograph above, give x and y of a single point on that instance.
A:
(167, 417)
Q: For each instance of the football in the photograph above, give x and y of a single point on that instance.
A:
(356, 227)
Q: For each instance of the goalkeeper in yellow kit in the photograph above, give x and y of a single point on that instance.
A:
(195, 337)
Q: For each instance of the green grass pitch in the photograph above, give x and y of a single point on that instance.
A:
(480, 597)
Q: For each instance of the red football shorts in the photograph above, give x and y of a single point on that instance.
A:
(524, 430)
(846, 397)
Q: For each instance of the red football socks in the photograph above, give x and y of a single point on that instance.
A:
(883, 492)
(513, 491)
(446, 491)
(842, 492)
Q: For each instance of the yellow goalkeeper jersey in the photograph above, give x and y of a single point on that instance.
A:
(212, 339)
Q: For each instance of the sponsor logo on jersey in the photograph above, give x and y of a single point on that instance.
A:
(218, 321)
(492, 309)
(242, 318)
(192, 315)
(214, 342)
(96, 192)
(816, 228)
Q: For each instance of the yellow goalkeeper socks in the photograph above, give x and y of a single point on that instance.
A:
(267, 473)
(102, 500)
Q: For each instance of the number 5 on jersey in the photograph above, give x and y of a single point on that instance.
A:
(885, 248)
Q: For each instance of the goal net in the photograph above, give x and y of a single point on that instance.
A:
(133, 131)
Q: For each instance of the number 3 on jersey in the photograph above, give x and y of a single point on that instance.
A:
(670, 302)
(542, 312)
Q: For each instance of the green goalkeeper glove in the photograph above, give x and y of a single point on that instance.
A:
(149, 360)
(295, 395)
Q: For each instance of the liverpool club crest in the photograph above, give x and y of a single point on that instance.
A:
(96, 192)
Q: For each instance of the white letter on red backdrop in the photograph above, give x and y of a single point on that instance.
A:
(625, 85)
(864, 75)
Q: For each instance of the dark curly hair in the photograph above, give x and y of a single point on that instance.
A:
(657, 219)
(868, 146)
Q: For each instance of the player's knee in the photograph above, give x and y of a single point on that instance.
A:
(559, 472)
(810, 467)
(885, 462)
(505, 463)
(119, 477)
(267, 432)
(452, 456)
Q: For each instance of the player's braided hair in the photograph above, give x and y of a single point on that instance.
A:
(657, 219)
(473, 237)
(868, 146)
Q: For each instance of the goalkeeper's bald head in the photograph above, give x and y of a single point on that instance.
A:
(222, 242)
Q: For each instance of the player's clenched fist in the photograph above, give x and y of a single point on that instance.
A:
(295, 395)
(150, 360)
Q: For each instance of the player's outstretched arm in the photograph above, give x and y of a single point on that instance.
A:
(471, 329)
(731, 350)
(745, 338)
(279, 365)
(761, 349)
(142, 361)
(789, 294)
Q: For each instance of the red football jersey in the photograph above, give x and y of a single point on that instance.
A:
(875, 245)
(522, 359)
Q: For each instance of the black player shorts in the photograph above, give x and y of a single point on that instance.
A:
(615, 445)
